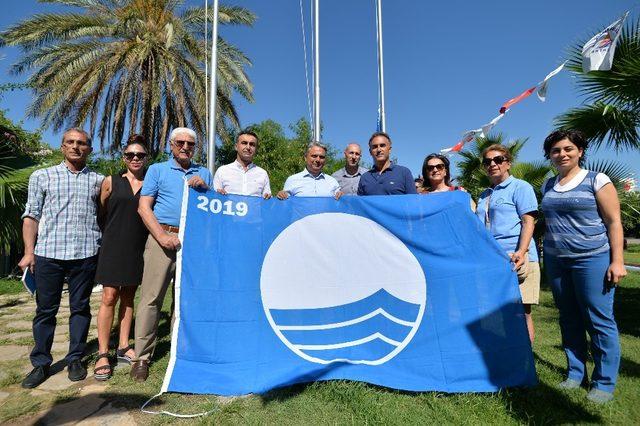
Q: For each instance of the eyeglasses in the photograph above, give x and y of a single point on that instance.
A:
(498, 159)
(439, 167)
(180, 144)
(131, 155)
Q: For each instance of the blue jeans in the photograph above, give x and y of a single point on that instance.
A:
(585, 302)
(49, 275)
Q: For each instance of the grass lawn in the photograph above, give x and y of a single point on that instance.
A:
(343, 402)
(339, 402)
(11, 286)
(632, 255)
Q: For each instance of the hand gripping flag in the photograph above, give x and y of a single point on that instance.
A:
(407, 292)
(597, 53)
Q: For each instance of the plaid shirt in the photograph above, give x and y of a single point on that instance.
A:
(65, 204)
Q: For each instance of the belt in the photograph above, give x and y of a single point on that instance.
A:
(170, 228)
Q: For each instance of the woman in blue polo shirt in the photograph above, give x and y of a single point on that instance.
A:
(508, 210)
(583, 261)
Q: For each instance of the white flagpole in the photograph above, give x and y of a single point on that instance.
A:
(316, 71)
(211, 146)
(380, 66)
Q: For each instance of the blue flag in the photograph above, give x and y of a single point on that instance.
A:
(407, 292)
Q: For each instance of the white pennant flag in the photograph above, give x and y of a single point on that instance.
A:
(597, 53)
(544, 84)
(470, 135)
(487, 127)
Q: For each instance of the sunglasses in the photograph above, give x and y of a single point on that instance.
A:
(498, 159)
(439, 167)
(180, 144)
(131, 155)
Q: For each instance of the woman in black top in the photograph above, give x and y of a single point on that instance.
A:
(120, 262)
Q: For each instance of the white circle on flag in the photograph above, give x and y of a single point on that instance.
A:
(337, 287)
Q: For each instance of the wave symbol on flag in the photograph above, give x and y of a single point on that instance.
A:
(340, 309)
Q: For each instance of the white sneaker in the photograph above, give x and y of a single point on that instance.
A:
(97, 289)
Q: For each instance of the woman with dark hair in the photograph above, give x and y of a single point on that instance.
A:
(437, 177)
(583, 262)
(508, 209)
(120, 262)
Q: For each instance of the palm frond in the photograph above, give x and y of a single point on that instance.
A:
(604, 123)
(616, 171)
(128, 65)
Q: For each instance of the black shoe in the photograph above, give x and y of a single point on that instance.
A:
(76, 370)
(36, 377)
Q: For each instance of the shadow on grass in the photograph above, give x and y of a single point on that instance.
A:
(70, 410)
(551, 366)
(541, 404)
(625, 306)
(544, 404)
(629, 368)
(12, 303)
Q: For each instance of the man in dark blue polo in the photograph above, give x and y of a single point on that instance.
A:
(385, 178)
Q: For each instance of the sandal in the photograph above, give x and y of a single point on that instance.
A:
(103, 372)
(122, 355)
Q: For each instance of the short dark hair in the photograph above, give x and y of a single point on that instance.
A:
(136, 139)
(79, 130)
(501, 149)
(376, 134)
(246, 132)
(425, 172)
(575, 136)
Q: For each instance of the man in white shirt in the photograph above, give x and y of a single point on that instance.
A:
(242, 177)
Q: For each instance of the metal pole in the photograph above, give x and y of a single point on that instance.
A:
(211, 146)
(383, 119)
(316, 71)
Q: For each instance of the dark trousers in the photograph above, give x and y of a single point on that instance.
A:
(50, 275)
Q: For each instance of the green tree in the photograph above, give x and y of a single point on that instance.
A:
(128, 66)
(611, 113)
(21, 152)
(630, 212)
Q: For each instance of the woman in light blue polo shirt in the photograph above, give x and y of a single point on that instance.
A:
(583, 262)
(508, 210)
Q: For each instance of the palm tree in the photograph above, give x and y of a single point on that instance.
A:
(128, 66)
(611, 114)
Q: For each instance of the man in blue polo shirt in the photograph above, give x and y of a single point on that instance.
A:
(160, 206)
(385, 178)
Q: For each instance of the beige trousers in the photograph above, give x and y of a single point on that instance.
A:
(159, 270)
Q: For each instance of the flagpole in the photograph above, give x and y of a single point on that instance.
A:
(211, 146)
(380, 66)
(316, 71)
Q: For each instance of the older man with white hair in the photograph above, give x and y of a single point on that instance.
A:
(160, 206)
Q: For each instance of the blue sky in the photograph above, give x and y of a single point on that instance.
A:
(449, 67)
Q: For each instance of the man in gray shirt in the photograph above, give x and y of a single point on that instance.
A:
(349, 176)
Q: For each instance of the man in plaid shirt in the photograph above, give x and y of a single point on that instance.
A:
(61, 239)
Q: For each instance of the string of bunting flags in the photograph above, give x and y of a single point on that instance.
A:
(597, 55)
